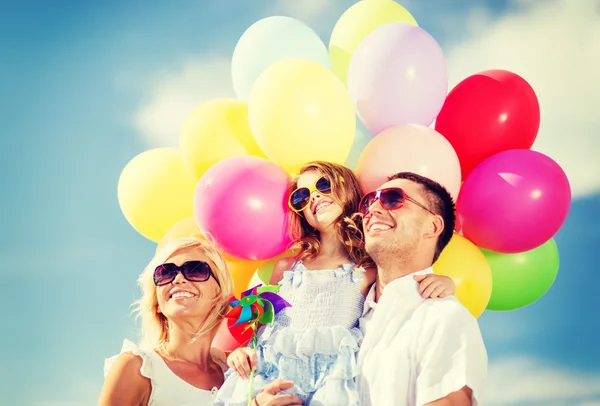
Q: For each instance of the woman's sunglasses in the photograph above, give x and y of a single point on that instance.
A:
(300, 198)
(391, 198)
(193, 271)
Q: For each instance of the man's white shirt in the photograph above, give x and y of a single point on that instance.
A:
(416, 351)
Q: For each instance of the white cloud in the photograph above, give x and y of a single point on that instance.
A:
(305, 10)
(523, 379)
(555, 46)
(175, 94)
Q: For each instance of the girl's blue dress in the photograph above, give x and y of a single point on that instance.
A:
(313, 343)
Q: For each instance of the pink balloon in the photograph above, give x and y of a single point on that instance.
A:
(409, 148)
(242, 203)
(514, 201)
(397, 76)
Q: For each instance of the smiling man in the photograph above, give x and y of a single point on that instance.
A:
(415, 351)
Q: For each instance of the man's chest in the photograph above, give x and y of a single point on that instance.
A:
(388, 362)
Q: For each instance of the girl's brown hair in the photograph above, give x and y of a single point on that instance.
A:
(347, 192)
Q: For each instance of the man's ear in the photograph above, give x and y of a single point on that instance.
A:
(436, 226)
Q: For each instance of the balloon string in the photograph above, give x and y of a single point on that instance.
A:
(252, 372)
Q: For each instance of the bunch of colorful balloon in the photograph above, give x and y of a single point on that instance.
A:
(367, 102)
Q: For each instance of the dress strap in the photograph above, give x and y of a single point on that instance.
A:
(130, 347)
(220, 358)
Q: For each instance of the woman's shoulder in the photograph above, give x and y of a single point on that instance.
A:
(127, 374)
(130, 358)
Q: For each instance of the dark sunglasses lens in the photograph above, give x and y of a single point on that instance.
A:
(392, 199)
(196, 271)
(164, 274)
(323, 185)
(300, 198)
(366, 202)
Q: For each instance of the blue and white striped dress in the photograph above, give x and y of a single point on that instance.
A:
(313, 343)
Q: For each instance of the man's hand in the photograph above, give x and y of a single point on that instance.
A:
(462, 397)
(434, 286)
(269, 395)
(242, 361)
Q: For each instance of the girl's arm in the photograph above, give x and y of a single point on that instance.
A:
(430, 286)
(284, 264)
(124, 384)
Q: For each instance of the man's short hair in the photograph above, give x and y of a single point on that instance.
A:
(439, 201)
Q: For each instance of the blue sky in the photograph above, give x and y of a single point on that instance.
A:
(82, 83)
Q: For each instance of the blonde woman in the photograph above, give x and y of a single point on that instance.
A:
(185, 292)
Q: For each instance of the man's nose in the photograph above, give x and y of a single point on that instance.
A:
(376, 207)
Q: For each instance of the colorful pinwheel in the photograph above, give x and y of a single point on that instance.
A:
(258, 305)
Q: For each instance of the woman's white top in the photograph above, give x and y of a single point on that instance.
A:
(167, 388)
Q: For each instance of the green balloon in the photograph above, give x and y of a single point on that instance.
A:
(520, 279)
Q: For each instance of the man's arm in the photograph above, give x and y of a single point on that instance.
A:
(461, 397)
(451, 358)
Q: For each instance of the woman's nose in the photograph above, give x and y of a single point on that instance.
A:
(179, 278)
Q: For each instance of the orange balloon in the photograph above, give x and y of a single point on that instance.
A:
(465, 264)
(241, 271)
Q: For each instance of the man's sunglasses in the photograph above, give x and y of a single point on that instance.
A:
(391, 198)
(300, 198)
(193, 271)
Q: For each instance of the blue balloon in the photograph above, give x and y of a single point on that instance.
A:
(362, 137)
(271, 40)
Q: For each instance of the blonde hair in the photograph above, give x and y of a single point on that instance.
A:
(155, 326)
(347, 192)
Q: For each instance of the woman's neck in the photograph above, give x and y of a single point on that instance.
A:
(183, 346)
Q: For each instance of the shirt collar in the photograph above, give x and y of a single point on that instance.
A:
(370, 300)
(405, 286)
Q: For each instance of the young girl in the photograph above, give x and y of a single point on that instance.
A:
(314, 342)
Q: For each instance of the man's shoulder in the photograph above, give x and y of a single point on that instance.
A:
(447, 311)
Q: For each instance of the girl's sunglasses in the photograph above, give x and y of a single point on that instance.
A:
(391, 198)
(300, 198)
(193, 271)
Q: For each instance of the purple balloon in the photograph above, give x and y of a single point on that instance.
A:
(514, 201)
(242, 203)
(397, 76)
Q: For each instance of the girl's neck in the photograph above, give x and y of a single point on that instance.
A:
(331, 247)
(183, 346)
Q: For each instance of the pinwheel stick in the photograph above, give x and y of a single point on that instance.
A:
(257, 306)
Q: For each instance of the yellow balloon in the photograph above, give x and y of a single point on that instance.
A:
(355, 24)
(299, 112)
(215, 130)
(184, 228)
(155, 191)
(464, 262)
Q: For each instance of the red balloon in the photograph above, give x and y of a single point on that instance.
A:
(487, 113)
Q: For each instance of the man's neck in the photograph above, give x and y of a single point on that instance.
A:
(387, 273)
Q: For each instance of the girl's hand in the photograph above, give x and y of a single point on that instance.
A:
(242, 361)
(434, 286)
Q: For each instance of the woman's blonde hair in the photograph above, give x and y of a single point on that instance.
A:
(347, 192)
(155, 326)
